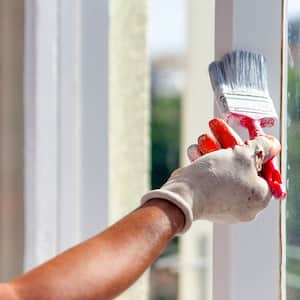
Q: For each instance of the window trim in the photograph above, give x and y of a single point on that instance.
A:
(283, 158)
(248, 257)
(78, 166)
(65, 84)
(197, 110)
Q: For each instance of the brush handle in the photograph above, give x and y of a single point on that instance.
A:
(253, 126)
(270, 171)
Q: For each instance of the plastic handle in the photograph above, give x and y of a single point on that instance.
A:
(270, 171)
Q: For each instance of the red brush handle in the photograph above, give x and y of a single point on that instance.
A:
(270, 171)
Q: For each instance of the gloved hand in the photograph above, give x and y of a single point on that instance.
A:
(224, 185)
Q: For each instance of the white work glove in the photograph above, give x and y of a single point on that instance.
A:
(221, 186)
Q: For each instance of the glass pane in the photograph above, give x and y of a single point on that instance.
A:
(293, 153)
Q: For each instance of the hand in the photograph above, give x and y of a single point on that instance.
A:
(222, 186)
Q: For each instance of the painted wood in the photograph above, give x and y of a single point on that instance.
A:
(66, 125)
(197, 110)
(86, 90)
(247, 256)
(94, 132)
(40, 131)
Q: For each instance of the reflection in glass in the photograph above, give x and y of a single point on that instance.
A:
(293, 154)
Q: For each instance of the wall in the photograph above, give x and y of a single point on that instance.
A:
(128, 114)
(11, 138)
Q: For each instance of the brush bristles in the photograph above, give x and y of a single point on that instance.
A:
(240, 72)
(239, 81)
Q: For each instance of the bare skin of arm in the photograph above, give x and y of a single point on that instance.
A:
(107, 264)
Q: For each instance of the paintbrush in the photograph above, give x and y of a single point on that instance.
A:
(239, 81)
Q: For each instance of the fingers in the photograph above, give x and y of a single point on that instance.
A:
(268, 144)
(269, 147)
(193, 152)
(207, 143)
(273, 178)
(261, 196)
(225, 135)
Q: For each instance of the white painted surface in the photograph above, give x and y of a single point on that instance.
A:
(94, 116)
(40, 131)
(197, 110)
(66, 124)
(70, 115)
(247, 256)
(283, 161)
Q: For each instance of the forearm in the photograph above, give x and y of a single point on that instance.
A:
(107, 264)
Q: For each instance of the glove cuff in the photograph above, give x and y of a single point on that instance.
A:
(177, 200)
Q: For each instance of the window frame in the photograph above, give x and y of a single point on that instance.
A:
(65, 84)
(197, 110)
(81, 174)
(248, 258)
(48, 199)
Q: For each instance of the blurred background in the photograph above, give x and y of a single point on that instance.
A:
(167, 46)
(293, 153)
(67, 99)
(61, 127)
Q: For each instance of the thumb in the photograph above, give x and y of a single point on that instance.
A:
(265, 146)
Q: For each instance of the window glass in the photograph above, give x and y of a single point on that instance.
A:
(293, 153)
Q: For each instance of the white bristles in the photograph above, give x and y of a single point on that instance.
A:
(240, 84)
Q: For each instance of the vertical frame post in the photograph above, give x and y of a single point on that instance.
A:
(11, 138)
(40, 131)
(94, 93)
(247, 256)
(195, 276)
(86, 121)
(66, 124)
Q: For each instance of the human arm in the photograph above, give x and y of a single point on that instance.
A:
(222, 186)
(107, 264)
(7, 292)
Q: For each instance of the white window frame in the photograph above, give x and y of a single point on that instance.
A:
(78, 176)
(248, 258)
(195, 276)
(66, 124)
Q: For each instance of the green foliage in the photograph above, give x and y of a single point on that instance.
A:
(293, 266)
(165, 136)
(294, 94)
(293, 155)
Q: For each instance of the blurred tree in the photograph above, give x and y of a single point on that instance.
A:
(293, 154)
(165, 136)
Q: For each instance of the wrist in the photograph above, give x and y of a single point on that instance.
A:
(179, 197)
(174, 214)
